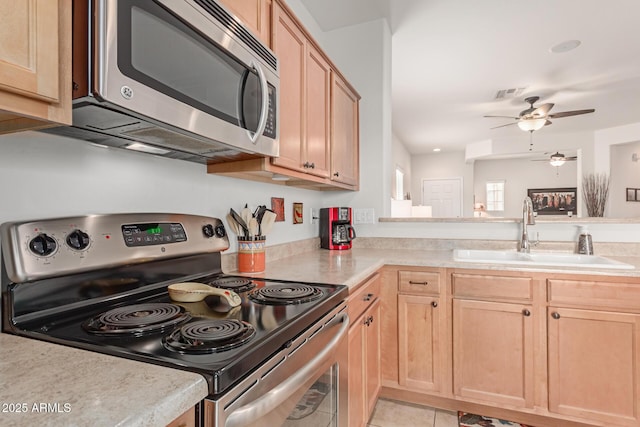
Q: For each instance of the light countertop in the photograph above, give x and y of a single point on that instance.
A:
(55, 385)
(46, 384)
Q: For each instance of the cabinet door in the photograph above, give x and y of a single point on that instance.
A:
(419, 342)
(594, 358)
(372, 356)
(255, 14)
(317, 99)
(357, 407)
(344, 133)
(35, 49)
(289, 46)
(493, 352)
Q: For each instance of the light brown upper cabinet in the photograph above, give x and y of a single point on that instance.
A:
(35, 64)
(318, 116)
(255, 14)
(344, 132)
(305, 78)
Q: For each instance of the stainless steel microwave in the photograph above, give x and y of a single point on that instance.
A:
(178, 78)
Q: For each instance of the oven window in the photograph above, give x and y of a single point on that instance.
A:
(160, 51)
(319, 405)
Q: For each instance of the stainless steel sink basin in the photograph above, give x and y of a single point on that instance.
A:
(558, 259)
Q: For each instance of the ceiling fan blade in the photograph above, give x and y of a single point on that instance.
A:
(501, 126)
(571, 158)
(548, 122)
(542, 110)
(571, 113)
(504, 117)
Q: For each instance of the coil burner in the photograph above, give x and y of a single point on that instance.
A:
(285, 294)
(236, 284)
(138, 319)
(209, 336)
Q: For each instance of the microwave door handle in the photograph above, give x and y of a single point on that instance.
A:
(250, 413)
(264, 111)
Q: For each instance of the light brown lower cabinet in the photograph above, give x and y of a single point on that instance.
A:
(594, 350)
(493, 352)
(364, 351)
(187, 419)
(539, 348)
(421, 325)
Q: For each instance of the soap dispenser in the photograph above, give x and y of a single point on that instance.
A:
(585, 243)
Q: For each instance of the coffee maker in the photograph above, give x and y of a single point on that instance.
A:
(336, 231)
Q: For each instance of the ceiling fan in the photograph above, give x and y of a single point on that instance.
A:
(557, 159)
(535, 118)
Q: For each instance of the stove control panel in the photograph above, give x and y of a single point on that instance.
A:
(54, 247)
(153, 234)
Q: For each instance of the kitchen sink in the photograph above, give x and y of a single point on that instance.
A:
(558, 259)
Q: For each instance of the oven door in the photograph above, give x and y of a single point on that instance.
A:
(305, 384)
(174, 63)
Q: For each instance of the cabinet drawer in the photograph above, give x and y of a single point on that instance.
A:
(591, 293)
(363, 297)
(494, 287)
(418, 282)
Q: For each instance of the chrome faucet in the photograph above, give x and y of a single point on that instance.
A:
(527, 219)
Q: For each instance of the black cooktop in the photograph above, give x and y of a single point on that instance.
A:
(68, 317)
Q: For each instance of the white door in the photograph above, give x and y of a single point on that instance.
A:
(444, 196)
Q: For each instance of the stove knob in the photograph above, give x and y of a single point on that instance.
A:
(208, 231)
(78, 240)
(220, 231)
(43, 245)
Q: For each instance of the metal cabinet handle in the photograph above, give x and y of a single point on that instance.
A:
(434, 304)
(413, 282)
(368, 297)
(526, 312)
(555, 315)
(336, 174)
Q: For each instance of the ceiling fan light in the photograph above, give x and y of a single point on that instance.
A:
(556, 162)
(528, 125)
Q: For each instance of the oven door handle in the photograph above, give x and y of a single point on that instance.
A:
(252, 412)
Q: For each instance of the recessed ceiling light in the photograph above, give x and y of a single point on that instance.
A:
(565, 46)
(437, 150)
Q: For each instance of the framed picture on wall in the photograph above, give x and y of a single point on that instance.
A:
(554, 201)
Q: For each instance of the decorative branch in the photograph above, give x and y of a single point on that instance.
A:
(595, 190)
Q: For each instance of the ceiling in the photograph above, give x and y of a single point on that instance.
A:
(451, 57)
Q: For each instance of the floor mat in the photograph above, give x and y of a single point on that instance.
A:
(466, 419)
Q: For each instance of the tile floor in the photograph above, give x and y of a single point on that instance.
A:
(389, 413)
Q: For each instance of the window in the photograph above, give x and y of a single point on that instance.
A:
(399, 184)
(495, 195)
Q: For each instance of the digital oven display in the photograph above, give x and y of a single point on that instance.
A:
(153, 234)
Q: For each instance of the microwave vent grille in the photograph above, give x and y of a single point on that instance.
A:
(238, 30)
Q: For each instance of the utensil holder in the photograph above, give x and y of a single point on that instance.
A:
(251, 257)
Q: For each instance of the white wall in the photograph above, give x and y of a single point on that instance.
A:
(45, 176)
(401, 159)
(520, 175)
(441, 165)
(624, 173)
